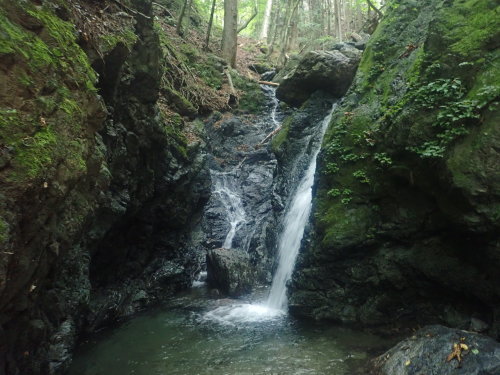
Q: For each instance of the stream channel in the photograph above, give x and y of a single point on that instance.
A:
(201, 333)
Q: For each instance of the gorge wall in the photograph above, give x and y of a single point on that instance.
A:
(406, 212)
(99, 185)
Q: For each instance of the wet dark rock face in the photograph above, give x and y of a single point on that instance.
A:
(241, 164)
(119, 239)
(428, 351)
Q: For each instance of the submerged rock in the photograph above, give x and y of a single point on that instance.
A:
(230, 271)
(331, 71)
(440, 350)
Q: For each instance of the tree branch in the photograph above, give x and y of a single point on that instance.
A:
(245, 25)
(379, 13)
(133, 11)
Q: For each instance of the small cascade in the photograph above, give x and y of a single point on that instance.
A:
(275, 105)
(201, 280)
(226, 190)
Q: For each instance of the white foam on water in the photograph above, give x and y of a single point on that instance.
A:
(233, 315)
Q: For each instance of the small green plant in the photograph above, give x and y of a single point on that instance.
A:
(361, 176)
(383, 159)
(345, 194)
(345, 201)
(334, 193)
(332, 168)
(350, 157)
(453, 116)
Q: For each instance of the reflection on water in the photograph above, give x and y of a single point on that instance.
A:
(196, 336)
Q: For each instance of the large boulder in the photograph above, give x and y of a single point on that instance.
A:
(437, 350)
(229, 271)
(330, 71)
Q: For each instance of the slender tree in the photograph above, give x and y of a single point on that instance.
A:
(185, 7)
(265, 24)
(338, 19)
(210, 23)
(230, 31)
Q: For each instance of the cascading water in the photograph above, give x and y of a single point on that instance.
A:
(226, 190)
(293, 227)
(275, 105)
(294, 223)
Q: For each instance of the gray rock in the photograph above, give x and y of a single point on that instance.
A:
(477, 325)
(331, 71)
(230, 271)
(427, 351)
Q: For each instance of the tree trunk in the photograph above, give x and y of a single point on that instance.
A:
(230, 32)
(210, 23)
(181, 18)
(372, 6)
(267, 18)
(285, 44)
(329, 15)
(275, 28)
(338, 19)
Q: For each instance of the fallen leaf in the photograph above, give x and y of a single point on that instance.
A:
(407, 363)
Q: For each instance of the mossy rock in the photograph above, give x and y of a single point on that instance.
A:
(409, 163)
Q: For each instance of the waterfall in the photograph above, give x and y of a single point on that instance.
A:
(295, 220)
(294, 223)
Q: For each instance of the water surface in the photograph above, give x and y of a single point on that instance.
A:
(185, 338)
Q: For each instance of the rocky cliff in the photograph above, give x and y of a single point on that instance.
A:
(99, 187)
(406, 214)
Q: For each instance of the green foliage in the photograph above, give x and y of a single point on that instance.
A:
(332, 168)
(361, 176)
(452, 118)
(345, 195)
(334, 193)
(382, 159)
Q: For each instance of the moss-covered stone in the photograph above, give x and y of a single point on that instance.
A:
(49, 126)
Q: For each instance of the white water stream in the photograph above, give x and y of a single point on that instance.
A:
(296, 217)
(225, 188)
(293, 227)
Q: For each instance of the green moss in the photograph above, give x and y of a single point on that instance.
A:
(343, 225)
(471, 26)
(126, 36)
(279, 139)
(35, 154)
(49, 129)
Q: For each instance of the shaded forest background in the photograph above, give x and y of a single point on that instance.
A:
(282, 26)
